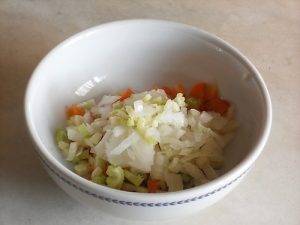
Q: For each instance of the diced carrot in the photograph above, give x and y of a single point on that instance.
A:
(218, 105)
(210, 92)
(126, 94)
(198, 91)
(167, 90)
(152, 185)
(171, 92)
(75, 110)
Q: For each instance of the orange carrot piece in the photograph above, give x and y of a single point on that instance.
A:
(152, 185)
(218, 105)
(210, 92)
(75, 110)
(126, 94)
(198, 91)
(169, 91)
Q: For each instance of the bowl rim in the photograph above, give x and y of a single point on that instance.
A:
(241, 168)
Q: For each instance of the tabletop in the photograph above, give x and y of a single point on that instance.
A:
(268, 32)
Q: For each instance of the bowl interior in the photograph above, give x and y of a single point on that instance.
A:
(141, 54)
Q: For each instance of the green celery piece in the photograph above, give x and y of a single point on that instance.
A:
(99, 179)
(115, 177)
(61, 135)
(82, 168)
(83, 130)
(192, 103)
(132, 178)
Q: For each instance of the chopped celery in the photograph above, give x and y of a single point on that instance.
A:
(158, 100)
(97, 172)
(81, 156)
(97, 176)
(141, 189)
(72, 151)
(147, 97)
(130, 122)
(93, 140)
(192, 103)
(121, 121)
(64, 147)
(100, 162)
(88, 104)
(115, 177)
(82, 168)
(133, 178)
(117, 105)
(128, 187)
(99, 179)
(61, 135)
(120, 113)
(82, 128)
(141, 124)
(129, 109)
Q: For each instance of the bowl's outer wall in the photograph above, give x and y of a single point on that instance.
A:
(140, 212)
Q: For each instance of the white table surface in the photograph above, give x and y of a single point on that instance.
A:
(268, 32)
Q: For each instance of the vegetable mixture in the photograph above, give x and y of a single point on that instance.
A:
(160, 140)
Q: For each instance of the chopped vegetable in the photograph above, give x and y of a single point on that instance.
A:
(76, 120)
(81, 156)
(75, 110)
(169, 91)
(209, 172)
(61, 135)
(64, 147)
(88, 104)
(115, 177)
(161, 140)
(82, 168)
(98, 176)
(128, 187)
(194, 172)
(211, 92)
(126, 94)
(174, 181)
(72, 151)
(99, 179)
(93, 140)
(218, 105)
(82, 128)
(133, 178)
(141, 189)
(193, 103)
(198, 91)
(152, 186)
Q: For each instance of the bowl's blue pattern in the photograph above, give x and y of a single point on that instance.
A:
(141, 204)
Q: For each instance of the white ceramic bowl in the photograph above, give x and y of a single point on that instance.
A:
(140, 54)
